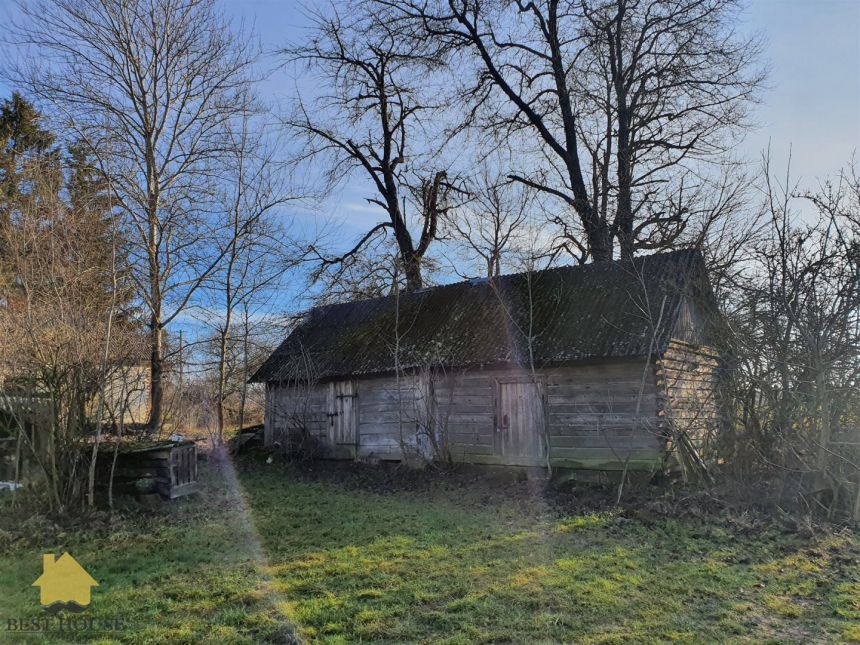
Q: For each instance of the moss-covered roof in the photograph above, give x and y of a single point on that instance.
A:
(599, 310)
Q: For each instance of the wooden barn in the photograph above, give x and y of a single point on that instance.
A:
(606, 366)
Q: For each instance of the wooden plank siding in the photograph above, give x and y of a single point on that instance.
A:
(595, 416)
(293, 407)
(391, 413)
(604, 416)
(465, 417)
(590, 413)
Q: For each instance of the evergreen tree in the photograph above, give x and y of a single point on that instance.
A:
(24, 143)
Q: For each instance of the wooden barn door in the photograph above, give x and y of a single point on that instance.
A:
(342, 413)
(519, 421)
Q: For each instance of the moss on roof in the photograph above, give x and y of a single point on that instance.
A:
(598, 310)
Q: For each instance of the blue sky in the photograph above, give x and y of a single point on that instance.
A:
(812, 105)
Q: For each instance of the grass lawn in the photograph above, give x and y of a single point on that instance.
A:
(340, 556)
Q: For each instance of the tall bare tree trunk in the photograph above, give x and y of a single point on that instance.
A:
(624, 212)
(156, 369)
(624, 154)
(222, 371)
(245, 368)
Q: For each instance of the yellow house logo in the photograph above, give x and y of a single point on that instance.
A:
(64, 584)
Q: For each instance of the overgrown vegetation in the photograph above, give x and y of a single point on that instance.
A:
(65, 327)
(790, 306)
(187, 573)
(350, 553)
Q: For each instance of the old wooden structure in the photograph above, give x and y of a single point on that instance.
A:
(168, 468)
(604, 366)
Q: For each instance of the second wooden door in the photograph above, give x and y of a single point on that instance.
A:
(519, 420)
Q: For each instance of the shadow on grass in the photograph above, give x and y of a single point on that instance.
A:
(441, 565)
(458, 563)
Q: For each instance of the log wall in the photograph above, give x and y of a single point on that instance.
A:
(687, 378)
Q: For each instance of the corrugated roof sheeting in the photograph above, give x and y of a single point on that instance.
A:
(600, 310)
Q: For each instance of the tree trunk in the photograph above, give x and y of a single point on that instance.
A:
(245, 370)
(624, 156)
(156, 360)
(412, 269)
(624, 213)
(822, 408)
(599, 240)
(410, 259)
(596, 229)
(156, 368)
(222, 377)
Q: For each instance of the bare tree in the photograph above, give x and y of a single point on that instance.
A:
(369, 274)
(372, 120)
(256, 343)
(256, 255)
(792, 333)
(153, 84)
(493, 221)
(615, 94)
(680, 81)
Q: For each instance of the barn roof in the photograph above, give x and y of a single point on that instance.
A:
(598, 310)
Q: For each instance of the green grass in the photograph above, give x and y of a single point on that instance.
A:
(458, 562)
(188, 573)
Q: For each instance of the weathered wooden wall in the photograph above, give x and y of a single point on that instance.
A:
(465, 416)
(385, 415)
(604, 417)
(595, 416)
(687, 377)
(292, 407)
(393, 417)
